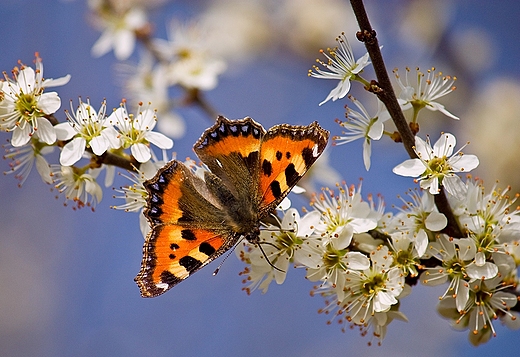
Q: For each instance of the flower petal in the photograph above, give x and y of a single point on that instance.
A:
(26, 80)
(141, 152)
(367, 151)
(44, 169)
(49, 102)
(99, 145)
(486, 271)
(50, 82)
(73, 151)
(435, 221)
(112, 136)
(437, 106)
(21, 136)
(159, 140)
(464, 163)
(103, 44)
(445, 145)
(146, 120)
(124, 43)
(410, 168)
(454, 186)
(339, 92)
(423, 148)
(45, 131)
(357, 261)
(421, 242)
(64, 131)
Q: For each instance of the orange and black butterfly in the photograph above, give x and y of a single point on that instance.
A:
(194, 221)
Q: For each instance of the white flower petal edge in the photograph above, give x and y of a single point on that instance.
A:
(410, 168)
(73, 151)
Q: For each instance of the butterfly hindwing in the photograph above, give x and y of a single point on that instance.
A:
(287, 152)
(186, 229)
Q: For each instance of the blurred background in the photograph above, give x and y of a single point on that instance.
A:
(66, 277)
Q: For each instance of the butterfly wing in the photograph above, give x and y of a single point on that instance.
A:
(287, 153)
(186, 229)
(231, 150)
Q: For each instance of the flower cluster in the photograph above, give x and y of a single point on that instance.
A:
(363, 260)
(27, 111)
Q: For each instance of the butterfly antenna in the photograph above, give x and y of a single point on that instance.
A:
(227, 256)
(265, 255)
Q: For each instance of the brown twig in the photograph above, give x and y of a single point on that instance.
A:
(385, 92)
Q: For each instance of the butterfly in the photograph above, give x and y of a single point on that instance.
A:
(194, 220)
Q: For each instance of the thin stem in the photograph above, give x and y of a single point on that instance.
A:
(385, 92)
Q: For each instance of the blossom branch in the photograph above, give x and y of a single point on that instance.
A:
(383, 87)
(385, 92)
(452, 228)
(130, 164)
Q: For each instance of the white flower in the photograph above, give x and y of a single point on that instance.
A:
(341, 65)
(196, 72)
(418, 221)
(24, 157)
(343, 215)
(374, 289)
(118, 31)
(191, 63)
(292, 242)
(438, 165)
(24, 105)
(77, 185)
(423, 92)
(489, 213)
(331, 265)
(406, 256)
(461, 264)
(487, 303)
(366, 319)
(136, 132)
(146, 82)
(89, 129)
(361, 125)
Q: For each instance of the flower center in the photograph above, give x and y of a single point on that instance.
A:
(373, 284)
(455, 268)
(437, 166)
(26, 105)
(287, 242)
(405, 260)
(332, 258)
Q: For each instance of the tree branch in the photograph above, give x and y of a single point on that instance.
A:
(385, 92)
(383, 87)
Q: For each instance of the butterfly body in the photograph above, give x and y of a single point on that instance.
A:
(196, 220)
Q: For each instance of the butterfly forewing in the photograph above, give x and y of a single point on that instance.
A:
(287, 153)
(231, 150)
